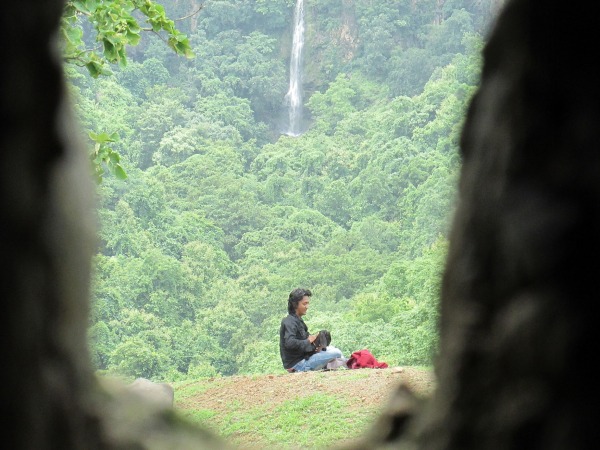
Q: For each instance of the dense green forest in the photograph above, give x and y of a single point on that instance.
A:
(222, 214)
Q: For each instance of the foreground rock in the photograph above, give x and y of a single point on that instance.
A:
(518, 291)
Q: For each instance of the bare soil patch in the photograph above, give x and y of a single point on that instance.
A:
(367, 386)
(366, 391)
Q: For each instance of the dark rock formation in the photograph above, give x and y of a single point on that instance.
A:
(516, 364)
(162, 394)
(517, 340)
(50, 396)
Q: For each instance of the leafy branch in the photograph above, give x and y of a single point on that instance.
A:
(115, 27)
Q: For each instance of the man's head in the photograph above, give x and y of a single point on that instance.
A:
(298, 301)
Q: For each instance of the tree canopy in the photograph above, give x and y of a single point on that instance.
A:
(221, 215)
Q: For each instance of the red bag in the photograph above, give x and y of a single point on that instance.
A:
(364, 359)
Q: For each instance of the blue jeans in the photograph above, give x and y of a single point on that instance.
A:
(319, 360)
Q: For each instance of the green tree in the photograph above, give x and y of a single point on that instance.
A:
(114, 26)
(221, 217)
(102, 342)
(136, 357)
(194, 351)
(163, 110)
(335, 104)
(138, 78)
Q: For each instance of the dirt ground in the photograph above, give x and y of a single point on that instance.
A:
(366, 388)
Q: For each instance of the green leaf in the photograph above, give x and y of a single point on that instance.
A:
(109, 50)
(74, 35)
(85, 6)
(119, 172)
(114, 157)
(133, 38)
(94, 68)
(102, 138)
(122, 57)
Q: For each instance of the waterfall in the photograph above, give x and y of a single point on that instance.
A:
(293, 98)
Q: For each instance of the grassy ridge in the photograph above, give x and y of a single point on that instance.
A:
(313, 410)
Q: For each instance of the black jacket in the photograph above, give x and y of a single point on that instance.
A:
(293, 341)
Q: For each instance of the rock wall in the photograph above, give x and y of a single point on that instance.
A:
(517, 337)
(515, 369)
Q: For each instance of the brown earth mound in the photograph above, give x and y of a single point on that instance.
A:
(366, 391)
(367, 386)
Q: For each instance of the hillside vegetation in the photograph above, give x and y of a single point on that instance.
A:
(221, 215)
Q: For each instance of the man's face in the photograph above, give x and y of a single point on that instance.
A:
(302, 306)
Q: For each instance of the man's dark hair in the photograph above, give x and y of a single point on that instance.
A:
(295, 296)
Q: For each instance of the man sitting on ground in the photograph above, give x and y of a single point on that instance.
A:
(298, 349)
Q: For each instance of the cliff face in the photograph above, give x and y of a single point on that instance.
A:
(331, 41)
(373, 37)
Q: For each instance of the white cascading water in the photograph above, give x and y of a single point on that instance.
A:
(294, 96)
